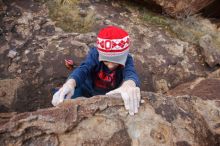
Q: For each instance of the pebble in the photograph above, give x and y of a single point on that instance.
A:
(99, 17)
(26, 52)
(82, 13)
(107, 22)
(57, 29)
(17, 58)
(12, 54)
(19, 71)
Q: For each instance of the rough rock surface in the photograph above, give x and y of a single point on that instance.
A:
(182, 8)
(8, 93)
(162, 61)
(205, 88)
(161, 121)
(32, 56)
(210, 51)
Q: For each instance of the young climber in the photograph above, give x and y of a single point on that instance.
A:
(108, 69)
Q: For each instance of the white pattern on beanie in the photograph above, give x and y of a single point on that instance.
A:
(113, 45)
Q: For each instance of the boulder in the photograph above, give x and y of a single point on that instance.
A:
(182, 8)
(210, 51)
(161, 121)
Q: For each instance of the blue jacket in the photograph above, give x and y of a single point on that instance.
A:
(96, 79)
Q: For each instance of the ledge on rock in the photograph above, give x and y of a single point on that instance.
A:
(101, 120)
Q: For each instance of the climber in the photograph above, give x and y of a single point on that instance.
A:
(108, 69)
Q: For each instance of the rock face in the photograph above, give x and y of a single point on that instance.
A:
(40, 53)
(161, 121)
(205, 88)
(162, 61)
(8, 91)
(181, 8)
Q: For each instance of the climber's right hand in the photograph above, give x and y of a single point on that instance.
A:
(130, 94)
(66, 91)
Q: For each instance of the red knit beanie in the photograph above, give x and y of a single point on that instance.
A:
(113, 45)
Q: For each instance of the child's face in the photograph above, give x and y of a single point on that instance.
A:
(111, 65)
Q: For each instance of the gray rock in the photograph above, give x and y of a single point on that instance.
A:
(210, 51)
(12, 53)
